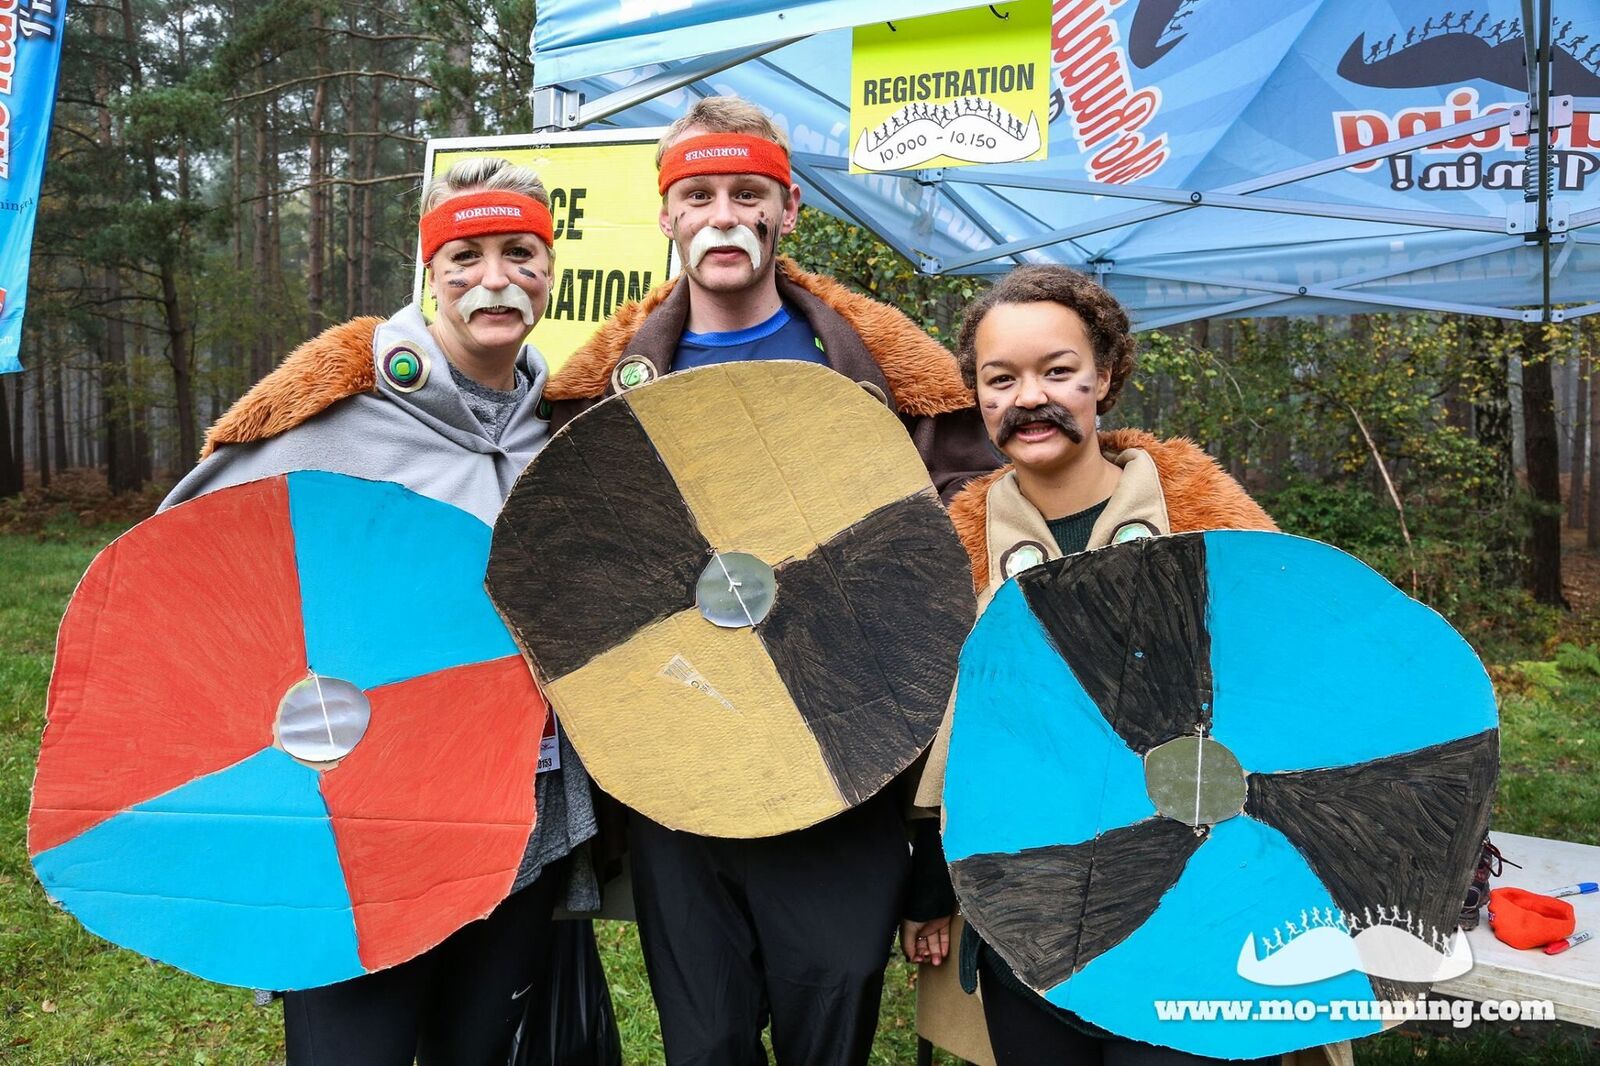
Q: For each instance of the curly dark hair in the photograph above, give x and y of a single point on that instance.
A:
(1103, 318)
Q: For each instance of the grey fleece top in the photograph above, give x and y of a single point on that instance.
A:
(431, 442)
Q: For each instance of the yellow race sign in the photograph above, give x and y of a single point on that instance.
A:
(951, 90)
(608, 241)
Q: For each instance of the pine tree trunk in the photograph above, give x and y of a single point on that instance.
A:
(369, 200)
(177, 329)
(458, 55)
(261, 351)
(1592, 533)
(314, 178)
(1576, 509)
(41, 425)
(1541, 456)
(18, 418)
(10, 472)
(58, 401)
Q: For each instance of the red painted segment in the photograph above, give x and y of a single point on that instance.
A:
(173, 655)
(432, 810)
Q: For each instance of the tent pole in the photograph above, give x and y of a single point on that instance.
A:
(657, 84)
(1335, 290)
(1536, 190)
(1193, 199)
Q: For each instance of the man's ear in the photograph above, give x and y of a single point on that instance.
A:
(791, 210)
(666, 220)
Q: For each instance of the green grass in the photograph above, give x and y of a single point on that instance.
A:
(67, 997)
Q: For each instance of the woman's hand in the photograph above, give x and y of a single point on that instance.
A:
(926, 941)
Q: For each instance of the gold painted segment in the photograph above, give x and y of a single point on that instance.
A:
(774, 458)
(691, 725)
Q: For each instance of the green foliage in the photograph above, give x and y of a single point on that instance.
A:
(827, 245)
(1347, 515)
(178, 113)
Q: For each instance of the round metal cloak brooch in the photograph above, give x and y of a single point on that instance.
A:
(743, 592)
(1020, 557)
(632, 372)
(405, 368)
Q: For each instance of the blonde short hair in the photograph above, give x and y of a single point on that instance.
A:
(723, 114)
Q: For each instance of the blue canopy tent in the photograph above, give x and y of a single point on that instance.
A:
(1206, 157)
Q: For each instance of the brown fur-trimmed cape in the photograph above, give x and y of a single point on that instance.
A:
(922, 376)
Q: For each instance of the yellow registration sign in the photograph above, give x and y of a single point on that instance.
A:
(951, 90)
(603, 199)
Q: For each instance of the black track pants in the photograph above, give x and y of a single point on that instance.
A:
(458, 1003)
(796, 927)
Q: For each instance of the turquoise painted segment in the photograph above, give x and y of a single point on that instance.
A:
(1032, 760)
(391, 582)
(1308, 642)
(1245, 881)
(234, 877)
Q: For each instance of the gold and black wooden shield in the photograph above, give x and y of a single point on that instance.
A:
(742, 593)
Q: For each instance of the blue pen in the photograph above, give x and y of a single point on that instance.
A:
(1582, 888)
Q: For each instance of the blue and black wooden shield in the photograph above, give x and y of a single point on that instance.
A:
(1166, 750)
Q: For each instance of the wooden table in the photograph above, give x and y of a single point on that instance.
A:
(1570, 980)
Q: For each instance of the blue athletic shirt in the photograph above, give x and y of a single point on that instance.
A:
(785, 335)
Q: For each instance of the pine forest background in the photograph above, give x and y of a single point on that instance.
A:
(227, 179)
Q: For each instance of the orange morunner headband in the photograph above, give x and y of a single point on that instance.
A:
(724, 153)
(481, 214)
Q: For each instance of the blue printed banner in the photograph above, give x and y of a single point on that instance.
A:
(1194, 147)
(30, 60)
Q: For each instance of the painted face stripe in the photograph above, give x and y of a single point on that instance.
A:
(391, 582)
(1131, 623)
(862, 633)
(594, 544)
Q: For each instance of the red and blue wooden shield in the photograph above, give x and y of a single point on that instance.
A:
(289, 740)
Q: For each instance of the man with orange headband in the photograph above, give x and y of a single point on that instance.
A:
(792, 928)
(453, 410)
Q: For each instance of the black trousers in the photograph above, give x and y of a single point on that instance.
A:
(1021, 1033)
(795, 928)
(457, 1003)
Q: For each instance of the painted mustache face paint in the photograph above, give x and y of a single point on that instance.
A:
(1053, 413)
(482, 298)
(710, 238)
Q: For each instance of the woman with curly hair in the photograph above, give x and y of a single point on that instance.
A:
(1048, 351)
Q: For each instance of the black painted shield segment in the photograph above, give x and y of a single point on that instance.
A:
(1051, 911)
(1373, 832)
(1130, 620)
(593, 544)
(866, 634)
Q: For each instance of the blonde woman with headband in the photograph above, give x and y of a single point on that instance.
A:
(452, 410)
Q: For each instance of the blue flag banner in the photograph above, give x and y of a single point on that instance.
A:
(1212, 158)
(30, 60)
